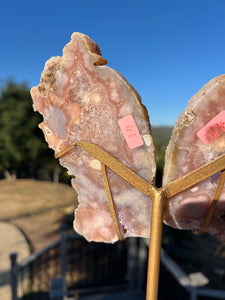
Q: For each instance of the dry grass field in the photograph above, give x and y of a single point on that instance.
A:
(37, 207)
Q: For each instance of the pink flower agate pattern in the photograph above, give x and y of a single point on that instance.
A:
(197, 138)
(82, 99)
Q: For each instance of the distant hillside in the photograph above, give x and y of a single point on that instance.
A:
(161, 134)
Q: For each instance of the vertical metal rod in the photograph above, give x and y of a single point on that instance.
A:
(142, 257)
(63, 254)
(155, 246)
(13, 257)
(131, 262)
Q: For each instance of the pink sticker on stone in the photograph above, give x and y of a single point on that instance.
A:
(212, 130)
(130, 132)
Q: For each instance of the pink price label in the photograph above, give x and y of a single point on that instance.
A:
(130, 132)
(212, 130)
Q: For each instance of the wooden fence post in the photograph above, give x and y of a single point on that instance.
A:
(13, 275)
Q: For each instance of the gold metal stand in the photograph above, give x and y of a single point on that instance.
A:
(158, 197)
(155, 246)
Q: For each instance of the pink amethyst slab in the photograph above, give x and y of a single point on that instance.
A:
(198, 137)
(82, 99)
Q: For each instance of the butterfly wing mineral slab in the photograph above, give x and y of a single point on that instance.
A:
(82, 99)
(198, 137)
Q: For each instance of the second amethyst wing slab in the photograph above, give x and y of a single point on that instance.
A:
(82, 99)
(198, 138)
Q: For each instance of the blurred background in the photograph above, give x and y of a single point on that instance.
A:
(167, 50)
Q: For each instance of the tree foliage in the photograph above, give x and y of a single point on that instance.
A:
(22, 148)
(161, 135)
(160, 154)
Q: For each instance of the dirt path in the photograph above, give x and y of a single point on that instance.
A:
(12, 240)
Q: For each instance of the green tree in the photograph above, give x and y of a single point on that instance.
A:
(160, 154)
(161, 136)
(23, 152)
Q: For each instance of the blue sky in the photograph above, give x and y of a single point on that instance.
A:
(166, 49)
